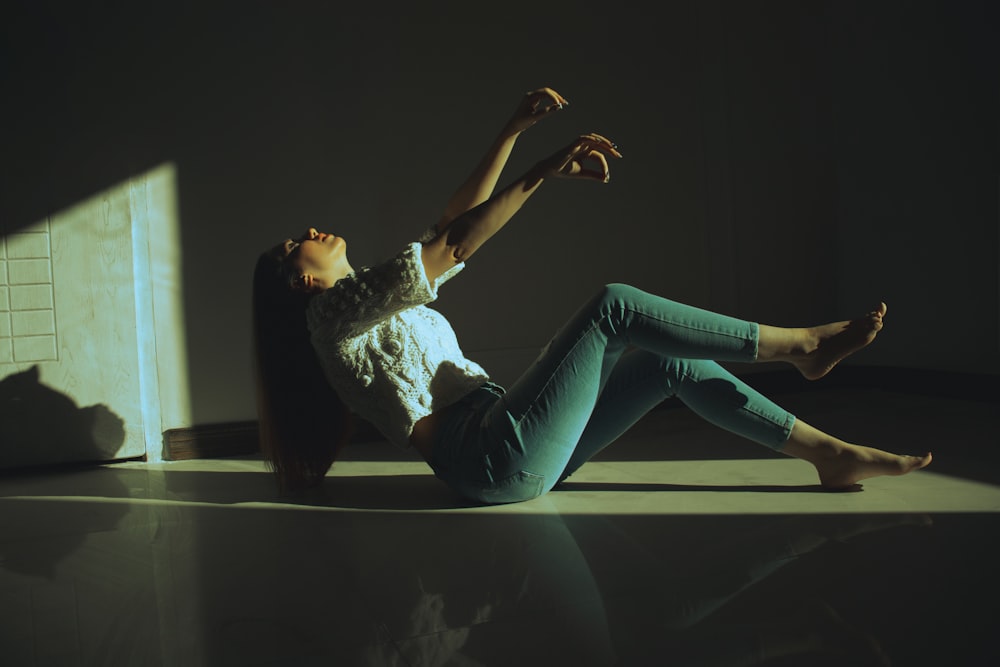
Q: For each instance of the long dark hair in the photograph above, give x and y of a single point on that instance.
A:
(302, 422)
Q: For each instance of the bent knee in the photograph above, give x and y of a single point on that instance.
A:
(617, 293)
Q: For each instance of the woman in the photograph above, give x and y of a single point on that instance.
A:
(332, 342)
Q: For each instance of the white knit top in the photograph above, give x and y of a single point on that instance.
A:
(390, 358)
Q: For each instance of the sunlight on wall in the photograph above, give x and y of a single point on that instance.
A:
(27, 319)
(157, 261)
(93, 362)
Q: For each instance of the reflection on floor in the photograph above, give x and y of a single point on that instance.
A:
(679, 545)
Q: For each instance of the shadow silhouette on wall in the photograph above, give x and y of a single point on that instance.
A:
(42, 426)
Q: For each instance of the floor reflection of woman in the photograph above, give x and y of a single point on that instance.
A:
(332, 341)
(578, 589)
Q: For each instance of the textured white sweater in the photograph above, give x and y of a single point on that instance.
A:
(390, 358)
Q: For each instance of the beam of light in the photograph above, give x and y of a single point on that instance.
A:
(156, 246)
(92, 335)
(647, 488)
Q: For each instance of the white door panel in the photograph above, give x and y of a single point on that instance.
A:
(78, 378)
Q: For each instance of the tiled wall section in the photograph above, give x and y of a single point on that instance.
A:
(27, 314)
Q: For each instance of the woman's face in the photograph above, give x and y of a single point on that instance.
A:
(317, 260)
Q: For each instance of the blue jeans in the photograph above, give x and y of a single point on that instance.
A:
(620, 355)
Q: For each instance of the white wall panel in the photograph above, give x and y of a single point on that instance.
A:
(79, 294)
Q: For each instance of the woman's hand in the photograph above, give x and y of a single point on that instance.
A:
(535, 105)
(584, 158)
(479, 186)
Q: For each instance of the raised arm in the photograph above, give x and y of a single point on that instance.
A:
(583, 158)
(479, 186)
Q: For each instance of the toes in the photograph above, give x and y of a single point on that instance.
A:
(879, 311)
(873, 322)
(875, 316)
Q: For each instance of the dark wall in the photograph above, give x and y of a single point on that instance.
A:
(785, 162)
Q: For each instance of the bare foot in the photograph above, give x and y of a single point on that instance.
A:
(833, 342)
(852, 463)
(841, 464)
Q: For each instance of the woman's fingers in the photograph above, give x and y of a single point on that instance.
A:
(601, 143)
(535, 105)
(555, 99)
(601, 172)
(544, 101)
(585, 161)
(586, 157)
(592, 143)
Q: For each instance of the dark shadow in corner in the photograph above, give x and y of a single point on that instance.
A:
(40, 426)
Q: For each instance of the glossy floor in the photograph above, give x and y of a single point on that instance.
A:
(680, 545)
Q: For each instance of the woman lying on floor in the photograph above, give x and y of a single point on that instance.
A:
(333, 342)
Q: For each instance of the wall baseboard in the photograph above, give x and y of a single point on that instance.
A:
(210, 441)
(213, 441)
(240, 438)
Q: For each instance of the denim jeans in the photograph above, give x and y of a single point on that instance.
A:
(620, 355)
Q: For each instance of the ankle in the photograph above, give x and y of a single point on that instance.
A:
(811, 444)
(784, 344)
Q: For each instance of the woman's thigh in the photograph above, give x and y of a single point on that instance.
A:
(526, 438)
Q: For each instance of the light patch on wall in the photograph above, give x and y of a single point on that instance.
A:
(159, 311)
(27, 318)
(93, 362)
